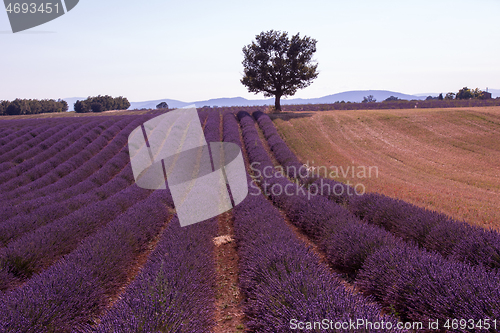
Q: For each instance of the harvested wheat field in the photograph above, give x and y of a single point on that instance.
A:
(447, 160)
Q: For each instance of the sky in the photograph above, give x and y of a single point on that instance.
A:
(192, 50)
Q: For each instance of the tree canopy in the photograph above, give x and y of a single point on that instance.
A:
(101, 103)
(32, 106)
(277, 65)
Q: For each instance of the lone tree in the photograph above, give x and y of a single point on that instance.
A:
(279, 66)
(370, 99)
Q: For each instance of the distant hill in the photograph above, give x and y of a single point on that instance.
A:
(347, 96)
(357, 96)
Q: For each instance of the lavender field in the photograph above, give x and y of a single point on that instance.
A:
(84, 249)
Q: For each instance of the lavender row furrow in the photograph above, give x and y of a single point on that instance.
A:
(35, 176)
(26, 138)
(212, 127)
(47, 212)
(429, 229)
(38, 250)
(64, 189)
(279, 148)
(283, 280)
(80, 285)
(84, 170)
(5, 132)
(16, 155)
(83, 151)
(14, 136)
(25, 161)
(89, 145)
(329, 188)
(97, 165)
(175, 291)
(59, 147)
(28, 145)
(360, 250)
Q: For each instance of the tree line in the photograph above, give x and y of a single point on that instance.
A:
(32, 106)
(463, 94)
(101, 103)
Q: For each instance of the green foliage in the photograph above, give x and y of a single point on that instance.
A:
(32, 106)
(277, 65)
(465, 93)
(388, 99)
(440, 97)
(81, 107)
(97, 107)
(19, 107)
(3, 107)
(101, 103)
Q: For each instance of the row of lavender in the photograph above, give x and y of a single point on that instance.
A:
(81, 283)
(89, 183)
(35, 143)
(75, 154)
(36, 240)
(174, 292)
(283, 280)
(13, 157)
(92, 174)
(30, 140)
(73, 158)
(68, 295)
(416, 284)
(430, 230)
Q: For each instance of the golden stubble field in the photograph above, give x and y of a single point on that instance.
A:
(442, 159)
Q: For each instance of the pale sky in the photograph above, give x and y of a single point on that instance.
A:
(147, 50)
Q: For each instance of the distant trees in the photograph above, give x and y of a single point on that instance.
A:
(449, 96)
(81, 107)
(101, 103)
(277, 65)
(466, 93)
(388, 99)
(3, 107)
(369, 99)
(162, 105)
(32, 106)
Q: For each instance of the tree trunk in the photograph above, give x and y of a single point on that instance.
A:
(277, 105)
